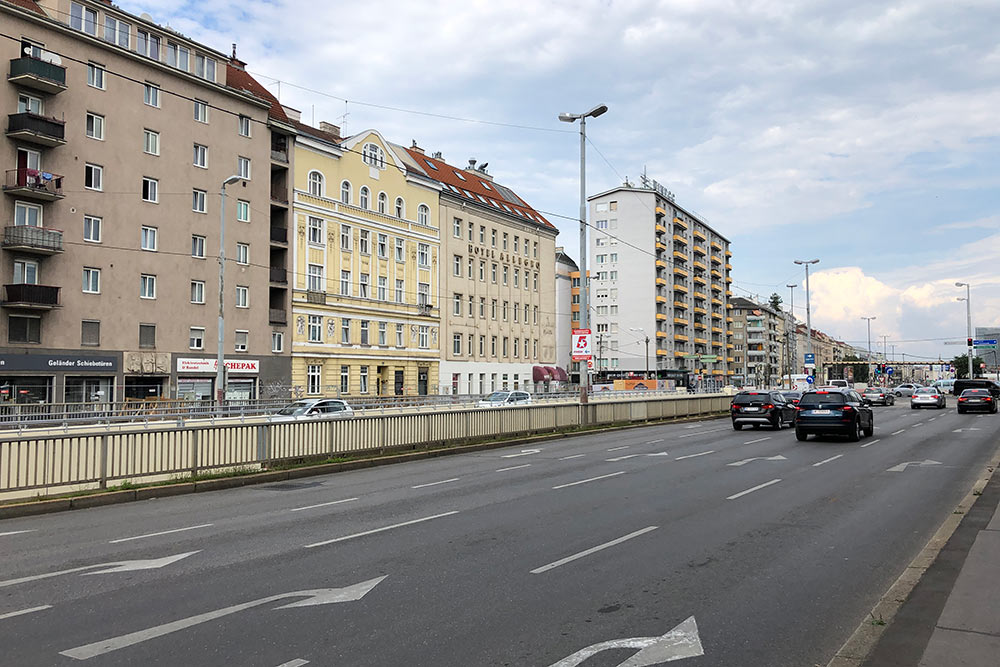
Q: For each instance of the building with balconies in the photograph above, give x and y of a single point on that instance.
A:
(761, 350)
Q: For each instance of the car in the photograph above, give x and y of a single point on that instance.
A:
(503, 399)
(905, 389)
(842, 384)
(313, 408)
(927, 397)
(944, 385)
(977, 400)
(842, 412)
(880, 395)
(989, 385)
(760, 408)
(792, 396)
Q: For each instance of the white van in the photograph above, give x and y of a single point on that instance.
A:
(944, 386)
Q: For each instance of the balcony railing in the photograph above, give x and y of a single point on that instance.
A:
(279, 234)
(279, 154)
(277, 316)
(37, 129)
(278, 275)
(31, 296)
(34, 184)
(38, 74)
(26, 238)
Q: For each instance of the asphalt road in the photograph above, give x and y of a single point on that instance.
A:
(577, 547)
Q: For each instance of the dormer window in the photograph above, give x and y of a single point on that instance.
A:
(83, 18)
(116, 32)
(204, 67)
(373, 156)
(147, 44)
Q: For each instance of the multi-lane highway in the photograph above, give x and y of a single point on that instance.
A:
(687, 542)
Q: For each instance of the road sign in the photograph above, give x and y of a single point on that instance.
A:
(582, 345)
(889, 370)
(590, 364)
(810, 379)
(985, 341)
(810, 358)
(985, 347)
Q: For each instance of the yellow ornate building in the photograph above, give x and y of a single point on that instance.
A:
(366, 319)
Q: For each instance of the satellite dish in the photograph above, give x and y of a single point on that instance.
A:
(50, 57)
(146, 17)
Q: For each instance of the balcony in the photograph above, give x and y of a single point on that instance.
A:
(699, 295)
(279, 196)
(755, 340)
(698, 250)
(36, 129)
(715, 259)
(756, 329)
(660, 211)
(680, 239)
(728, 319)
(716, 274)
(699, 310)
(33, 184)
(660, 229)
(699, 326)
(716, 330)
(729, 267)
(661, 264)
(717, 316)
(37, 297)
(716, 343)
(700, 341)
(661, 246)
(728, 279)
(729, 293)
(277, 316)
(318, 298)
(661, 317)
(681, 256)
(279, 275)
(717, 287)
(279, 154)
(680, 304)
(730, 346)
(661, 353)
(680, 272)
(700, 280)
(681, 321)
(661, 334)
(728, 254)
(698, 234)
(681, 338)
(38, 240)
(756, 353)
(661, 281)
(279, 235)
(661, 299)
(717, 245)
(680, 288)
(699, 265)
(680, 223)
(717, 302)
(37, 74)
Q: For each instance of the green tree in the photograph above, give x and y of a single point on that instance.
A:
(961, 364)
(775, 301)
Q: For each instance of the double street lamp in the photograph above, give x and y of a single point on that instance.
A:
(873, 317)
(791, 353)
(968, 315)
(809, 328)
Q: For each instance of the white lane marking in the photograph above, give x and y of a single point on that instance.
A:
(332, 502)
(653, 442)
(591, 479)
(16, 532)
(899, 431)
(600, 547)
(871, 443)
(621, 458)
(298, 662)
(918, 424)
(777, 457)
(659, 454)
(691, 456)
(615, 449)
(443, 481)
(711, 430)
(380, 530)
(832, 458)
(524, 452)
(165, 532)
(525, 465)
(932, 419)
(22, 612)
(681, 642)
(751, 490)
(575, 456)
(920, 464)
(757, 440)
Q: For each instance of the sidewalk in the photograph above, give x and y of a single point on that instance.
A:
(952, 617)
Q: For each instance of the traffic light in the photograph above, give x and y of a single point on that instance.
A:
(968, 342)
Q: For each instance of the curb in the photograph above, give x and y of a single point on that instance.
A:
(167, 490)
(861, 643)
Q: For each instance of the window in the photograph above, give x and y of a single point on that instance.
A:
(482, 346)
(504, 275)
(204, 67)
(505, 303)
(345, 331)
(29, 104)
(482, 271)
(315, 331)
(151, 142)
(482, 307)
(243, 167)
(400, 249)
(147, 286)
(241, 340)
(399, 335)
(345, 237)
(95, 126)
(505, 346)
(457, 265)
(493, 238)
(363, 285)
(115, 31)
(95, 76)
(27, 215)
(197, 291)
(363, 379)
(315, 185)
(423, 255)
(472, 228)
(517, 277)
(382, 327)
(457, 231)
(456, 344)
(277, 341)
(197, 246)
(314, 374)
(25, 272)
(148, 238)
(345, 283)
(198, 198)
(244, 127)
(90, 332)
(151, 95)
(345, 193)
(364, 242)
(316, 282)
(493, 346)
(315, 230)
(504, 245)
(91, 280)
(243, 253)
(200, 158)
(457, 305)
(472, 268)
(242, 210)
(93, 177)
(83, 18)
(516, 310)
(22, 329)
(383, 288)
(423, 294)
(201, 111)
(147, 44)
(364, 332)
(399, 291)
(493, 273)
(400, 208)
(383, 245)
(92, 228)
(364, 197)
(515, 346)
(147, 335)
(482, 233)
(423, 215)
(373, 156)
(383, 203)
(534, 282)
(423, 340)
(177, 56)
(150, 189)
(493, 309)
(196, 338)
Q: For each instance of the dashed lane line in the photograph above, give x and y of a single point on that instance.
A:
(591, 479)
(164, 532)
(380, 530)
(867, 444)
(752, 489)
(443, 481)
(332, 502)
(691, 456)
(523, 465)
(832, 458)
(600, 547)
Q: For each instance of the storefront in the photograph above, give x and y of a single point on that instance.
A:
(48, 378)
(196, 379)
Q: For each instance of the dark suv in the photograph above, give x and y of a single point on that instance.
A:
(841, 412)
(990, 385)
(757, 408)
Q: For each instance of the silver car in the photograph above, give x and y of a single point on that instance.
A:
(503, 399)
(927, 397)
(879, 395)
(905, 389)
(313, 408)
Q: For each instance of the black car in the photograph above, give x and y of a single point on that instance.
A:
(976, 399)
(757, 408)
(841, 412)
(961, 385)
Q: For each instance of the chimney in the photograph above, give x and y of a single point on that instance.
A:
(415, 148)
(294, 114)
(330, 128)
(437, 156)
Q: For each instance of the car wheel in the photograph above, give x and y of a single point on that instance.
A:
(855, 434)
(899, 394)
(737, 427)
(869, 431)
(961, 411)
(800, 435)
(778, 423)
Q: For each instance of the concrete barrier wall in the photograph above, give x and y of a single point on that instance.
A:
(31, 465)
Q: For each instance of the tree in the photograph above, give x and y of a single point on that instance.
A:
(961, 364)
(775, 301)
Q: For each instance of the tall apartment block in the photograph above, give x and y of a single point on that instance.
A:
(761, 355)
(120, 133)
(658, 271)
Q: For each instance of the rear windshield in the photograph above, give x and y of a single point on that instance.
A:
(747, 399)
(976, 392)
(833, 398)
(926, 390)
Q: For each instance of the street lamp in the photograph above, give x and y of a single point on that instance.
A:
(646, 336)
(584, 282)
(873, 317)
(220, 370)
(968, 315)
(809, 328)
(790, 354)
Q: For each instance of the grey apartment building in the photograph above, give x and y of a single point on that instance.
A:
(658, 271)
(120, 133)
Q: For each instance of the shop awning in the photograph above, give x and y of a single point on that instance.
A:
(540, 374)
(560, 375)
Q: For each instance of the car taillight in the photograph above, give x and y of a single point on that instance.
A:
(961, 398)
(935, 397)
(881, 395)
(987, 398)
(847, 408)
(768, 406)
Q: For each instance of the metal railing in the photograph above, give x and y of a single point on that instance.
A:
(46, 296)
(30, 122)
(37, 238)
(34, 180)
(26, 65)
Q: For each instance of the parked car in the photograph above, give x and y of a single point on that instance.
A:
(977, 400)
(314, 408)
(757, 408)
(842, 412)
(879, 395)
(989, 385)
(503, 399)
(905, 389)
(927, 397)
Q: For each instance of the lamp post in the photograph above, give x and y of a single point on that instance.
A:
(220, 370)
(646, 337)
(968, 316)
(809, 328)
(584, 282)
(873, 317)
(788, 338)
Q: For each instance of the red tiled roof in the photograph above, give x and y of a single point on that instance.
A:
(240, 79)
(30, 5)
(316, 132)
(474, 188)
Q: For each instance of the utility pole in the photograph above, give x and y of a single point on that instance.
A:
(809, 330)
(873, 317)
(791, 353)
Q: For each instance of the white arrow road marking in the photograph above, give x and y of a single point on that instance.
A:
(443, 481)
(22, 612)
(960, 430)
(600, 547)
(524, 452)
(615, 449)
(751, 490)
(16, 532)
(332, 502)
(121, 566)
(779, 457)
(526, 465)
(832, 458)
(298, 662)
(691, 456)
(757, 440)
(380, 530)
(681, 642)
(313, 597)
(871, 443)
(920, 464)
(621, 458)
(575, 456)
(165, 532)
(659, 454)
(592, 479)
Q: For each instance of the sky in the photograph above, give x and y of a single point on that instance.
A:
(857, 132)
